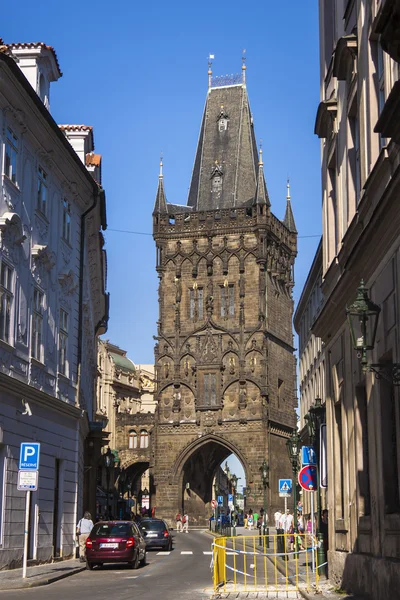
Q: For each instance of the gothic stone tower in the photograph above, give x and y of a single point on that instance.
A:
(224, 360)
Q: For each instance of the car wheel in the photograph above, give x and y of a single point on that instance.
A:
(89, 566)
(170, 545)
(143, 561)
(135, 562)
(100, 565)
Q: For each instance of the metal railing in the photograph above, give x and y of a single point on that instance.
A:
(280, 562)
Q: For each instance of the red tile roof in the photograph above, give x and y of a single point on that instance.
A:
(36, 45)
(93, 159)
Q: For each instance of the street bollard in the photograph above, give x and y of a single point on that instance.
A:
(321, 556)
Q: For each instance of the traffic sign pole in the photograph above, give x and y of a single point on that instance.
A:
(312, 530)
(25, 557)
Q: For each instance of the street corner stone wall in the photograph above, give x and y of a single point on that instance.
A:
(282, 470)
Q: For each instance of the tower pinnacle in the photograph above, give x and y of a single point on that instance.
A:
(289, 218)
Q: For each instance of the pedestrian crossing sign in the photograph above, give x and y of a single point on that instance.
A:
(285, 488)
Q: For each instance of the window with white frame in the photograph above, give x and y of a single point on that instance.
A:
(6, 301)
(133, 440)
(42, 191)
(37, 324)
(10, 165)
(63, 343)
(66, 224)
(144, 439)
(381, 87)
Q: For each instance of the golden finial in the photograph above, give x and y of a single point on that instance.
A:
(161, 166)
(288, 189)
(260, 162)
(244, 66)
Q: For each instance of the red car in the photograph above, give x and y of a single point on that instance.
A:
(115, 542)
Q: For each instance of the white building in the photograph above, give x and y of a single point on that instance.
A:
(52, 303)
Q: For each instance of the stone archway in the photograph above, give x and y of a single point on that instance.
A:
(192, 476)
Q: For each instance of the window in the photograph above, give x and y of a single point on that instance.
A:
(37, 324)
(381, 87)
(223, 124)
(11, 156)
(133, 440)
(63, 343)
(42, 191)
(217, 183)
(354, 156)
(3, 489)
(66, 224)
(227, 300)
(144, 439)
(196, 303)
(210, 389)
(6, 298)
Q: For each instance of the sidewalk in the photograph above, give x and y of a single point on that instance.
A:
(39, 575)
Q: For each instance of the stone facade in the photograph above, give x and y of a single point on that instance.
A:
(357, 121)
(52, 306)
(126, 406)
(225, 369)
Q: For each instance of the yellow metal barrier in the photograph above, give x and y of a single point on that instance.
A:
(273, 563)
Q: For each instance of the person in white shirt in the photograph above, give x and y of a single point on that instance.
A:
(185, 521)
(277, 517)
(84, 527)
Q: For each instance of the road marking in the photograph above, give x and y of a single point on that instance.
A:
(189, 552)
(163, 553)
(132, 577)
(208, 552)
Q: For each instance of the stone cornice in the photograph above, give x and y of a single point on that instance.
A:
(19, 388)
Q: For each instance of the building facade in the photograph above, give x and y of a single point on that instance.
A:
(357, 122)
(311, 348)
(126, 407)
(53, 305)
(225, 369)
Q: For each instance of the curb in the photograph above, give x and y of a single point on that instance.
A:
(40, 582)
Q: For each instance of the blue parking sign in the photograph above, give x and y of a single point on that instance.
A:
(29, 456)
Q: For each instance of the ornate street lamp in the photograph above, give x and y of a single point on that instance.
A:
(109, 460)
(216, 492)
(363, 317)
(234, 481)
(293, 447)
(264, 469)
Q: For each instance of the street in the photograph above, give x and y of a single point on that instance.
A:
(182, 573)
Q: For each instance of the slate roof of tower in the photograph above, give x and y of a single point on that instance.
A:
(234, 151)
(288, 221)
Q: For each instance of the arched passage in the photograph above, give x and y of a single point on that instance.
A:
(194, 472)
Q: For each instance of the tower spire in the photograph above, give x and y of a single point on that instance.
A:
(244, 66)
(160, 205)
(261, 191)
(210, 59)
(289, 218)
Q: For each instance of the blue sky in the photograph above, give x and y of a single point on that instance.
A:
(137, 72)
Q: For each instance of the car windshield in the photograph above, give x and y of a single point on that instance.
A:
(153, 525)
(115, 530)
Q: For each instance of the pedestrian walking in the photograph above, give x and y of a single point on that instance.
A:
(83, 528)
(178, 520)
(185, 522)
(245, 520)
(250, 520)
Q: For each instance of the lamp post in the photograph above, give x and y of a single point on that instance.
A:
(109, 464)
(234, 481)
(293, 448)
(362, 316)
(216, 492)
(314, 419)
(264, 469)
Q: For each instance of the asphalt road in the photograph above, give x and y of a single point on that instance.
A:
(184, 573)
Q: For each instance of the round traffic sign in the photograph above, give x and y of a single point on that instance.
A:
(308, 478)
(214, 503)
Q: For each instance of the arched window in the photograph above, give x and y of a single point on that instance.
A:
(133, 440)
(144, 439)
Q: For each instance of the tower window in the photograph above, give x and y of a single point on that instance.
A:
(196, 303)
(133, 440)
(223, 124)
(210, 389)
(144, 439)
(217, 183)
(227, 301)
